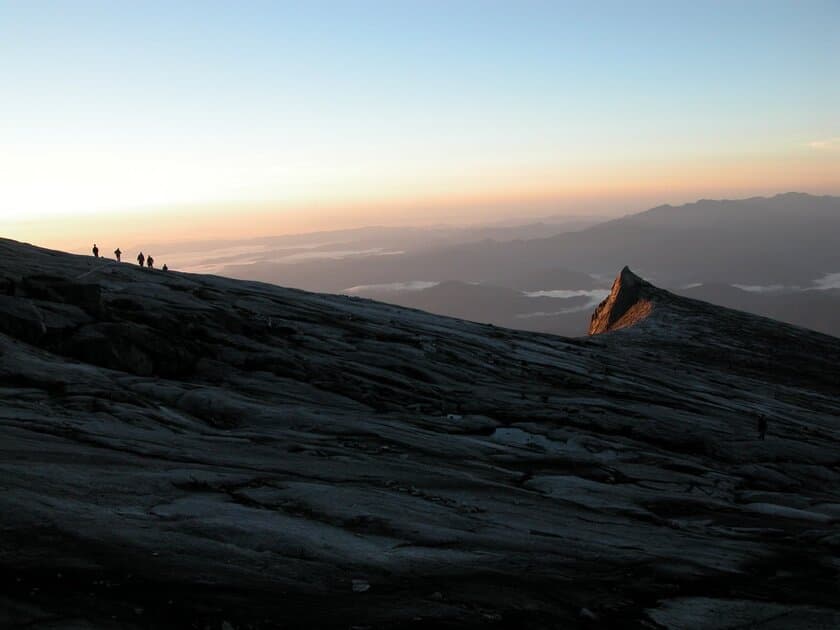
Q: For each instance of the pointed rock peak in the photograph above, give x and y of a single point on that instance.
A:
(627, 303)
(627, 278)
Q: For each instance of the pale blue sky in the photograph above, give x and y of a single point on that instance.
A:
(105, 105)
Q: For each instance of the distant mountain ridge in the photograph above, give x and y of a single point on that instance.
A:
(789, 238)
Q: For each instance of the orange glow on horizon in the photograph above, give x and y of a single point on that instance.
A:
(470, 198)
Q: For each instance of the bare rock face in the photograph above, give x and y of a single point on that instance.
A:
(186, 451)
(629, 301)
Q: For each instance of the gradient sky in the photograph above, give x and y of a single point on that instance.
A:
(253, 117)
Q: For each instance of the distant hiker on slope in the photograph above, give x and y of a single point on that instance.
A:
(165, 268)
(95, 251)
(141, 259)
(762, 426)
(150, 262)
(118, 254)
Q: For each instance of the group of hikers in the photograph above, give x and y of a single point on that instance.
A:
(142, 260)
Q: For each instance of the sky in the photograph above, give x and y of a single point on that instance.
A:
(199, 119)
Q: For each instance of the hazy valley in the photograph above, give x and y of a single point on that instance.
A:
(776, 257)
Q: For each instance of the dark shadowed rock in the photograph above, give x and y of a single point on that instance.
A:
(21, 319)
(130, 347)
(85, 295)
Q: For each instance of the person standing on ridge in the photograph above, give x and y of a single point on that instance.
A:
(150, 262)
(141, 259)
(95, 251)
(118, 254)
(165, 268)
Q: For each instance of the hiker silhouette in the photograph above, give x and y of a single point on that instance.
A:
(141, 259)
(118, 254)
(95, 251)
(165, 268)
(762, 426)
(150, 262)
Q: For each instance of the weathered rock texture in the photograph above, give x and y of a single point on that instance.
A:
(191, 451)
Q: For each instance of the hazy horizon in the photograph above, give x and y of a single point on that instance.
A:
(161, 226)
(125, 124)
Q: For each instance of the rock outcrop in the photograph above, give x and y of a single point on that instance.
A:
(191, 451)
(629, 302)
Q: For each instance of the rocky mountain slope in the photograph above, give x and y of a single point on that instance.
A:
(817, 309)
(191, 451)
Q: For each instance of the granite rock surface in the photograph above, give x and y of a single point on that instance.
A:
(192, 451)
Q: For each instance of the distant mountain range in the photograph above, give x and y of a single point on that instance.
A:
(259, 254)
(789, 241)
(789, 238)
